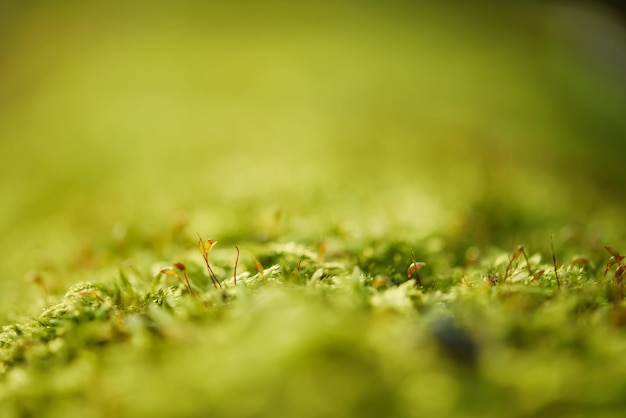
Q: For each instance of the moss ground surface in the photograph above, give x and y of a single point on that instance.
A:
(332, 147)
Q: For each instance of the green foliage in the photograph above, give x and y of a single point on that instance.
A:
(322, 340)
(335, 150)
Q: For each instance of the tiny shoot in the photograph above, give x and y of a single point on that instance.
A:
(170, 271)
(520, 251)
(205, 248)
(413, 270)
(556, 273)
(236, 264)
(616, 258)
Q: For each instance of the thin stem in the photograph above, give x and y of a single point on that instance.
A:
(236, 263)
(188, 284)
(556, 273)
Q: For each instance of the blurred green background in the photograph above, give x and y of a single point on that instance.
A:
(126, 127)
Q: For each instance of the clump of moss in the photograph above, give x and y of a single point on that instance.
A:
(332, 343)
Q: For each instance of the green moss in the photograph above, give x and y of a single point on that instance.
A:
(334, 146)
(271, 345)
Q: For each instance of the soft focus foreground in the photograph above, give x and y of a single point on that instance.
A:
(328, 142)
